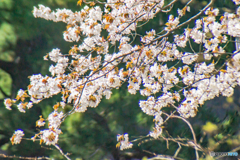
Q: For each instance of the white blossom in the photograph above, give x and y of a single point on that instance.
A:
(8, 103)
(189, 58)
(124, 142)
(50, 136)
(54, 119)
(17, 137)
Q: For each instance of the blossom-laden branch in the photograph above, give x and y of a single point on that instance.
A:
(83, 80)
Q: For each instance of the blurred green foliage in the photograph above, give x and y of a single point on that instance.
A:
(25, 40)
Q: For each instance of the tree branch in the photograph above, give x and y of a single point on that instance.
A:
(20, 157)
(184, 23)
(60, 150)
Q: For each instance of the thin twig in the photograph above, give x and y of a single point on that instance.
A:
(21, 157)
(60, 150)
(178, 150)
(191, 128)
(184, 23)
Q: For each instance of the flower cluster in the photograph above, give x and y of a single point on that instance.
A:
(84, 79)
(123, 142)
(50, 136)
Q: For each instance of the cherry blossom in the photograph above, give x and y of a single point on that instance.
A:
(17, 137)
(83, 79)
